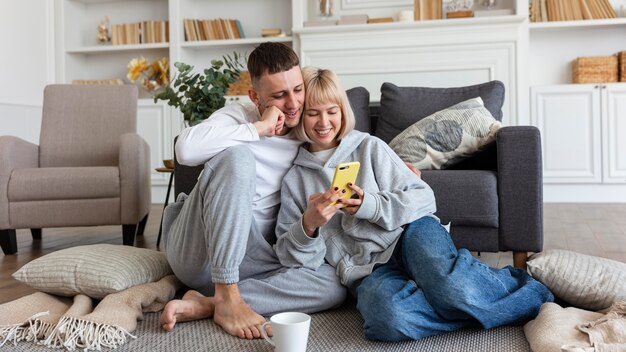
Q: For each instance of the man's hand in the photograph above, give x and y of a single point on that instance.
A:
(271, 123)
(414, 169)
(319, 210)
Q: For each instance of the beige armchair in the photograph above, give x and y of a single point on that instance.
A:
(90, 167)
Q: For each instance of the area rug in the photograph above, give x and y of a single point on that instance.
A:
(335, 330)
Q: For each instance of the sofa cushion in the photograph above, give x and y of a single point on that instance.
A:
(359, 98)
(448, 136)
(51, 183)
(582, 280)
(465, 197)
(94, 270)
(401, 107)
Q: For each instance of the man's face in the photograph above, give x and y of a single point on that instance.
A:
(284, 90)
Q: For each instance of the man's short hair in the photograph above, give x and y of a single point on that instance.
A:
(271, 58)
(321, 87)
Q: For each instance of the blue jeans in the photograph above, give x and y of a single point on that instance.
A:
(429, 288)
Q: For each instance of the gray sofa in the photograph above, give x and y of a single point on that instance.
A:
(493, 200)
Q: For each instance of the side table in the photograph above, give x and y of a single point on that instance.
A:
(167, 198)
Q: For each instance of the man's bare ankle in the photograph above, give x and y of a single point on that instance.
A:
(227, 292)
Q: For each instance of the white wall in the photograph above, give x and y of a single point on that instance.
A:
(26, 65)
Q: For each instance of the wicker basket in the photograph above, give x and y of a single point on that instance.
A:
(597, 69)
(241, 86)
(622, 65)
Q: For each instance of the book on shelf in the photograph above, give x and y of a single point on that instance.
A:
(570, 10)
(272, 32)
(460, 14)
(145, 32)
(380, 20)
(427, 10)
(212, 29)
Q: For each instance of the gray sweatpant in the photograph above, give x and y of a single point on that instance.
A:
(211, 237)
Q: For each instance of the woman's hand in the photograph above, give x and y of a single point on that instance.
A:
(320, 209)
(352, 205)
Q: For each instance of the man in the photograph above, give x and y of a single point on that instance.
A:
(218, 240)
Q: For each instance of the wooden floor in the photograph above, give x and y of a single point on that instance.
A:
(596, 229)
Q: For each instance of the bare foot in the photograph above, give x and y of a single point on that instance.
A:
(192, 306)
(234, 315)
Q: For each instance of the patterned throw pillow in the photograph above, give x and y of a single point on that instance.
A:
(93, 270)
(447, 136)
(581, 280)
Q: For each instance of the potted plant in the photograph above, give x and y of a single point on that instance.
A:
(198, 95)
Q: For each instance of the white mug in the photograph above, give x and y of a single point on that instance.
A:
(290, 330)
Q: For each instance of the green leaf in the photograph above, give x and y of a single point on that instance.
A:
(198, 95)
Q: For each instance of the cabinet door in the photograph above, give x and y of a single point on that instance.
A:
(614, 132)
(568, 117)
(156, 126)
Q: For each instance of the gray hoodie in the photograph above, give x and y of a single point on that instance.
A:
(353, 244)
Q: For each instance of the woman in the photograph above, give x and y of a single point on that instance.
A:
(410, 281)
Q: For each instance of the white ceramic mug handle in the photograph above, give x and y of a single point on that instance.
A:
(264, 333)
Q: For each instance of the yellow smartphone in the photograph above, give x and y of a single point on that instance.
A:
(344, 174)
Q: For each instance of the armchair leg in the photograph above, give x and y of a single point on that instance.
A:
(128, 233)
(519, 259)
(36, 234)
(142, 225)
(8, 241)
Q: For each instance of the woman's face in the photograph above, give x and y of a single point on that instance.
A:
(322, 124)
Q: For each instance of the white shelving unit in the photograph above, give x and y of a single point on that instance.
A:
(583, 159)
(252, 14)
(449, 52)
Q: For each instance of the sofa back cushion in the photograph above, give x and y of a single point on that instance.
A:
(400, 107)
(359, 98)
(81, 125)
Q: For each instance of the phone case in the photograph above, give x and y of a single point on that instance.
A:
(344, 174)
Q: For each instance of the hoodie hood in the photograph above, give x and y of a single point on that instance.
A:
(347, 146)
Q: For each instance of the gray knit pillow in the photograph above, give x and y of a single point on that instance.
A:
(93, 270)
(447, 136)
(584, 281)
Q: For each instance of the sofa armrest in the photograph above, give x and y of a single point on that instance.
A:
(186, 176)
(15, 153)
(135, 192)
(520, 188)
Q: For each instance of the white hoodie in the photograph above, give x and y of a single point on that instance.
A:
(233, 125)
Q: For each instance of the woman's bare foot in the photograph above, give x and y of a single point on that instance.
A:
(192, 306)
(234, 315)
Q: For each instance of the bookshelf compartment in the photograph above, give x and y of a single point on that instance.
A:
(253, 15)
(83, 17)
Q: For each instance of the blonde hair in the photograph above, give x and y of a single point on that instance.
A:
(322, 87)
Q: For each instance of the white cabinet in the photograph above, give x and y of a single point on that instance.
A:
(614, 133)
(583, 132)
(568, 117)
(582, 125)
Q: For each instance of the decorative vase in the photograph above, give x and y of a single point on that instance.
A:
(325, 8)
